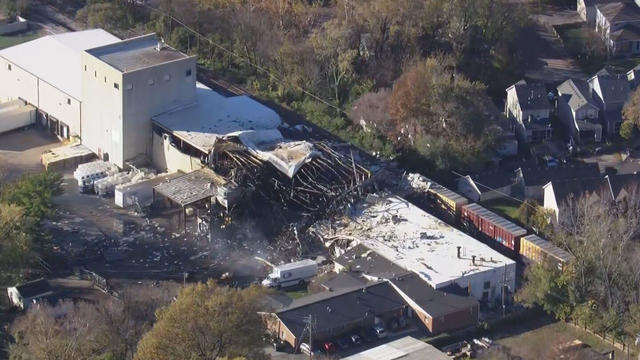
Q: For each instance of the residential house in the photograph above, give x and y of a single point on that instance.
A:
(558, 193)
(25, 295)
(486, 186)
(578, 112)
(528, 108)
(609, 92)
(618, 24)
(623, 185)
(587, 8)
(531, 179)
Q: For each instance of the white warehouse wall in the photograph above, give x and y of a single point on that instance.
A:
(495, 276)
(17, 83)
(61, 106)
(151, 91)
(102, 109)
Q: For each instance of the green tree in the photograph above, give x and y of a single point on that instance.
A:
(16, 244)
(546, 286)
(34, 193)
(531, 214)
(207, 321)
(631, 116)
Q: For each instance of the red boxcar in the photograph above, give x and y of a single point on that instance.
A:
(494, 226)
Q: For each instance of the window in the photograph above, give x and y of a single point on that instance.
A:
(85, 68)
(9, 67)
(188, 72)
(95, 73)
(105, 79)
(487, 284)
(129, 86)
(167, 77)
(68, 101)
(116, 86)
(150, 82)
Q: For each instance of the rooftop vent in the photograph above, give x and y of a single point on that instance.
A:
(161, 44)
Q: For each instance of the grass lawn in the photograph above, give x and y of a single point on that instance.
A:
(504, 207)
(539, 343)
(297, 294)
(11, 40)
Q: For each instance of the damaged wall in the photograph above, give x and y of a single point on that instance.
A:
(166, 157)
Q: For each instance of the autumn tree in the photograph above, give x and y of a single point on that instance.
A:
(371, 110)
(531, 214)
(207, 321)
(33, 192)
(631, 116)
(441, 114)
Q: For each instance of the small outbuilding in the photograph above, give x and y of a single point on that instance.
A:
(24, 295)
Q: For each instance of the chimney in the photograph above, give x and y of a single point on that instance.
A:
(459, 248)
(473, 259)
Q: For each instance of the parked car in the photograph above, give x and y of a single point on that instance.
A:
(380, 332)
(343, 342)
(356, 339)
(308, 350)
(368, 335)
(329, 347)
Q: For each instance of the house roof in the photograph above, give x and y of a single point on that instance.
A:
(539, 176)
(362, 259)
(628, 182)
(548, 247)
(531, 96)
(57, 59)
(495, 179)
(333, 309)
(137, 53)
(34, 288)
(576, 188)
(612, 87)
(406, 348)
(629, 32)
(433, 302)
(596, 2)
(343, 280)
(616, 12)
(576, 93)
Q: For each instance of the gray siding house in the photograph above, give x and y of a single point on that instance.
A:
(578, 112)
(609, 92)
(528, 108)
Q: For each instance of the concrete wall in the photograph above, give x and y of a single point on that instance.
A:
(166, 157)
(152, 91)
(102, 109)
(494, 276)
(17, 83)
(60, 105)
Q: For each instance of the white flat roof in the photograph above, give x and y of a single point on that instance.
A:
(214, 116)
(57, 59)
(406, 348)
(420, 242)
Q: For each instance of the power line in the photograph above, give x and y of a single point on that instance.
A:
(276, 77)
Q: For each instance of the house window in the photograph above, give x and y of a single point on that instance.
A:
(167, 77)
(68, 101)
(95, 73)
(9, 67)
(116, 86)
(188, 72)
(129, 86)
(487, 284)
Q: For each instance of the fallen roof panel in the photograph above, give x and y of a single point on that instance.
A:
(192, 187)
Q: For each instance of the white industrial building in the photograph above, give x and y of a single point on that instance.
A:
(104, 91)
(417, 241)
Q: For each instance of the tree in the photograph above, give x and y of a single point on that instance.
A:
(207, 321)
(631, 115)
(16, 244)
(531, 214)
(441, 114)
(371, 110)
(34, 193)
(546, 286)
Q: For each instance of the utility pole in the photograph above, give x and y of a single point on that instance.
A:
(310, 336)
(504, 284)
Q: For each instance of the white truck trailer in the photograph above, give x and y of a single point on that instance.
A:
(16, 115)
(295, 273)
